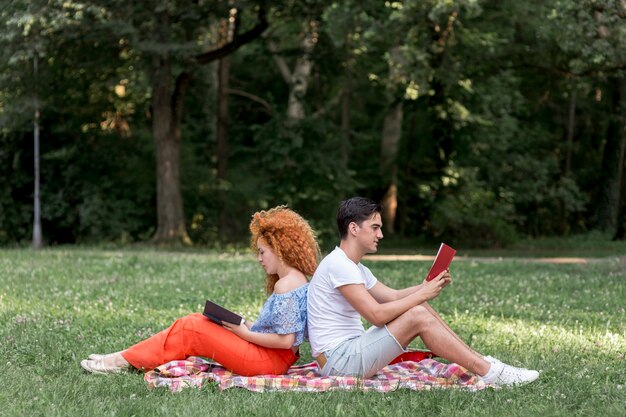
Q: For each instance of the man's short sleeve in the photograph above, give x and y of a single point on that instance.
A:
(370, 279)
(347, 272)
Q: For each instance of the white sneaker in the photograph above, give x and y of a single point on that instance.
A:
(491, 359)
(511, 375)
(502, 374)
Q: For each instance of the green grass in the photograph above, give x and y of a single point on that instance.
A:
(59, 305)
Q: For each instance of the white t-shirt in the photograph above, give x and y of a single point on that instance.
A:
(331, 319)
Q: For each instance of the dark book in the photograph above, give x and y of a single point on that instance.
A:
(217, 314)
(442, 261)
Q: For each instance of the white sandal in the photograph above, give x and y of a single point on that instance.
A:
(98, 367)
(96, 356)
(100, 356)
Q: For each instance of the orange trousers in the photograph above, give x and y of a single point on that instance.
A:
(195, 335)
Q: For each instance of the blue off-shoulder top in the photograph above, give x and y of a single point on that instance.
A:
(284, 314)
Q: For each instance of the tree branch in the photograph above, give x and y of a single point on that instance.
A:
(443, 39)
(280, 61)
(238, 41)
(329, 105)
(252, 97)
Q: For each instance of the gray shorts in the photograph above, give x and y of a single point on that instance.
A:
(364, 355)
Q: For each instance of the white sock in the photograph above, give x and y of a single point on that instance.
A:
(494, 370)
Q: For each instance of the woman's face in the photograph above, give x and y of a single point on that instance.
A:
(266, 257)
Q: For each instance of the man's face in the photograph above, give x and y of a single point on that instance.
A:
(369, 233)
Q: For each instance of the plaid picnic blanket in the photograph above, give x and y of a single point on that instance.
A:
(423, 375)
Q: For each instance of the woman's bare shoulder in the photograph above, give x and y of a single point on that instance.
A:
(289, 283)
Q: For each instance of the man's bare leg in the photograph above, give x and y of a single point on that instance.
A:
(440, 339)
(444, 324)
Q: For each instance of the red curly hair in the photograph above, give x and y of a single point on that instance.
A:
(290, 237)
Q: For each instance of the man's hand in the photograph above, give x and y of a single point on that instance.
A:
(431, 289)
(447, 277)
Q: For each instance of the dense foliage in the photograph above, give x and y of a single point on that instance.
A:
(481, 120)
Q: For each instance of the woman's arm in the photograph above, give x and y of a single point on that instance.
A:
(270, 340)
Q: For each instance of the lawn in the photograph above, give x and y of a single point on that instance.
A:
(59, 305)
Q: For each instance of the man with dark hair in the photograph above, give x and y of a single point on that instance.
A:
(357, 209)
(343, 290)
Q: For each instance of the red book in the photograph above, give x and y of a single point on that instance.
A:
(442, 261)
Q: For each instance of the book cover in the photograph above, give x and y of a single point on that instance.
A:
(442, 261)
(217, 314)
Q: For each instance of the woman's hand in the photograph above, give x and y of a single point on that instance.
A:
(240, 330)
(271, 340)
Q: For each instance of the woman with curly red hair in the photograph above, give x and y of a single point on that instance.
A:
(287, 250)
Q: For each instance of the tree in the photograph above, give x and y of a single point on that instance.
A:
(37, 236)
(297, 78)
(26, 24)
(613, 160)
(466, 119)
(171, 36)
(599, 26)
(390, 141)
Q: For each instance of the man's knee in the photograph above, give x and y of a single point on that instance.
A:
(420, 317)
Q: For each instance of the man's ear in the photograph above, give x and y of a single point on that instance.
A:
(352, 228)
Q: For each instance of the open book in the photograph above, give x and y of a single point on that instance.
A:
(218, 314)
(442, 261)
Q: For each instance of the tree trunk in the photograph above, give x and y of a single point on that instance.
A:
(346, 99)
(392, 133)
(300, 83)
(613, 160)
(345, 123)
(166, 120)
(620, 234)
(298, 79)
(441, 131)
(167, 107)
(37, 235)
(227, 34)
(390, 143)
(571, 122)
(223, 122)
(408, 174)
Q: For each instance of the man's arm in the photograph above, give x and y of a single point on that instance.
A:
(384, 294)
(380, 313)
